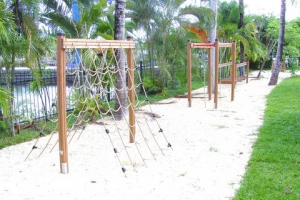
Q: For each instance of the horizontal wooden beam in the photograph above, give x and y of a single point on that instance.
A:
(225, 64)
(202, 45)
(242, 64)
(226, 81)
(225, 44)
(97, 44)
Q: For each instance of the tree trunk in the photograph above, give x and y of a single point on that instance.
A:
(261, 68)
(10, 76)
(119, 30)
(240, 26)
(278, 61)
(12, 94)
(270, 47)
(212, 38)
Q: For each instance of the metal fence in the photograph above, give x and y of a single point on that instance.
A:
(32, 100)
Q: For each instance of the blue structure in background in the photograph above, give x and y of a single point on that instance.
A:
(75, 16)
(75, 11)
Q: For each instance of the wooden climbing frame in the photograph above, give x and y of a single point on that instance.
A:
(241, 78)
(63, 44)
(209, 47)
(283, 66)
(218, 65)
(233, 77)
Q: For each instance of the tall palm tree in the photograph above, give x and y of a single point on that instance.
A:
(56, 16)
(241, 25)
(229, 20)
(278, 61)
(119, 34)
(6, 28)
(25, 13)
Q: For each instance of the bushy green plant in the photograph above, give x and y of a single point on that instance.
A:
(3, 127)
(87, 104)
(153, 86)
(4, 100)
(293, 68)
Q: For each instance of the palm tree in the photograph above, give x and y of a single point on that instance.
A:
(119, 34)
(6, 28)
(278, 61)
(105, 27)
(25, 26)
(267, 35)
(167, 28)
(229, 18)
(56, 16)
(143, 13)
(241, 25)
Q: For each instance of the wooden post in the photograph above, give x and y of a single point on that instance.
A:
(131, 93)
(216, 72)
(273, 65)
(189, 71)
(283, 66)
(233, 70)
(209, 85)
(61, 87)
(247, 76)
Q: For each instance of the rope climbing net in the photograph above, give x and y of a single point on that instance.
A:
(88, 100)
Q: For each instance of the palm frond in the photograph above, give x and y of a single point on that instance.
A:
(65, 23)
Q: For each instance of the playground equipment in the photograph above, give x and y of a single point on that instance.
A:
(283, 66)
(218, 65)
(190, 46)
(88, 102)
(231, 79)
(240, 68)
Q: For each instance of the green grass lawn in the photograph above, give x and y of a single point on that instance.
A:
(274, 167)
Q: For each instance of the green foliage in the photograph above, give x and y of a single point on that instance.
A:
(228, 31)
(4, 100)
(152, 86)
(204, 16)
(90, 15)
(3, 127)
(292, 66)
(273, 171)
(6, 24)
(27, 134)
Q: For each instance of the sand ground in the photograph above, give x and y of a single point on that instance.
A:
(207, 160)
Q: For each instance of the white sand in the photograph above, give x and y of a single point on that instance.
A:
(210, 153)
